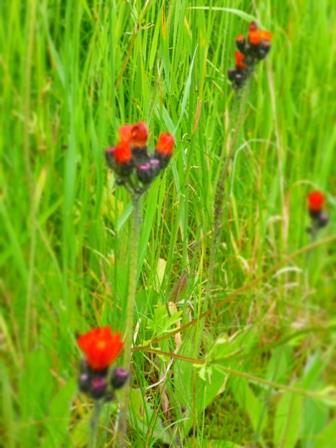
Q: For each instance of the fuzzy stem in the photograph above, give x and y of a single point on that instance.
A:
(132, 283)
(94, 423)
(238, 116)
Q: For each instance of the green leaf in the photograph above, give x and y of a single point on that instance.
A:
(287, 421)
(237, 12)
(35, 392)
(209, 443)
(162, 322)
(226, 348)
(280, 364)
(7, 412)
(144, 418)
(327, 436)
(246, 399)
(59, 416)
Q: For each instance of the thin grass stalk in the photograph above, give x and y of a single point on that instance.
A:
(29, 323)
(238, 116)
(132, 283)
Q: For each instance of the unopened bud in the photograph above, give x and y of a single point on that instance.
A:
(119, 377)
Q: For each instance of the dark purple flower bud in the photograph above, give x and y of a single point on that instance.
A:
(232, 74)
(145, 173)
(139, 155)
(239, 78)
(262, 50)
(84, 377)
(98, 387)
(84, 382)
(241, 43)
(119, 377)
(323, 220)
(155, 163)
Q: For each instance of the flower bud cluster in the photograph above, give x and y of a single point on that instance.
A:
(101, 384)
(101, 348)
(319, 218)
(251, 50)
(134, 166)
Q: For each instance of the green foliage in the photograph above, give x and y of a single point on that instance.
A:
(287, 421)
(260, 370)
(146, 421)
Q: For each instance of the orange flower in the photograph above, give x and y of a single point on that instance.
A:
(165, 144)
(122, 153)
(135, 134)
(316, 201)
(139, 134)
(256, 36)
(125, 132)
(266, 36)
(240, 60)
(101, 347)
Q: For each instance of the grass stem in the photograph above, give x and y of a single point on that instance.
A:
(238, 115)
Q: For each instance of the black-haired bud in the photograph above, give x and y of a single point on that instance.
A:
(119, 377)
(232, 74)
(139, 154)
(84, 378)
(98, 387)
(262, 50)
(144, 172)
(322, 220)
(241, 44)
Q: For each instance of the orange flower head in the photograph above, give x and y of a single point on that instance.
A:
(165, 144)
(101, 347)
(125, 133)
(316, 201)
(139, 134)
(256, 36)
(240, 60)
(266, 36)
(122, 153)
(240, 38)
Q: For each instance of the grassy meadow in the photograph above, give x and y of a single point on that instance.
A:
(259, 369)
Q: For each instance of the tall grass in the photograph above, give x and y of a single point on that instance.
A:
(71, 73)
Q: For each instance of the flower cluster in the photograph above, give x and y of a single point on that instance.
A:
(130, 160)
(101, 348)
(319, 218)
(251, 50)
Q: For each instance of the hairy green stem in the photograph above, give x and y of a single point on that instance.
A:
(238, 116)
(94, 423)
(132, 283)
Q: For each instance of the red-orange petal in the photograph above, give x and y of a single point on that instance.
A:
(125, 133)
(139, 134)
(122, 153)
(240, 60)
(165, 144)
(266, 36)
(101, 347)
(254, 37)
